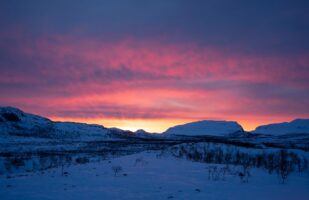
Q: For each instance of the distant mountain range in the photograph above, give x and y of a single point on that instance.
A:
(16, 123)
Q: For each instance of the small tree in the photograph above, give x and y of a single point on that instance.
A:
(116, 169)
(284, 166)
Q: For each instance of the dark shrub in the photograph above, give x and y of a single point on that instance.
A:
(82, 160)
(17, 162)
(116, 169)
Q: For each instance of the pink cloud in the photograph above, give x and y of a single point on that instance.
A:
(65, 76)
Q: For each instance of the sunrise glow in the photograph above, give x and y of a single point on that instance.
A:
(120, 76)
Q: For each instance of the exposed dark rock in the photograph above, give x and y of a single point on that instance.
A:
(11, 117)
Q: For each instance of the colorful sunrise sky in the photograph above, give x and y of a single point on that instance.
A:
(153, 64)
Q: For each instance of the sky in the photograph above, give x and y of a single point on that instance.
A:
(152, 64)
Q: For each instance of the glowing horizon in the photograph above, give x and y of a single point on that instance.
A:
(159, 125)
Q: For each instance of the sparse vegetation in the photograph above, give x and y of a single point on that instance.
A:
(283, 162)
(82, 160)
(140, 162)
(116, 169)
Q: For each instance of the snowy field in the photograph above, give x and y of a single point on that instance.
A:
(150, 175)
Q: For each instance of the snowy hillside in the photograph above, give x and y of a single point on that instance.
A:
(31, 132)
(206, 127)
(295, 126)
(16, 123)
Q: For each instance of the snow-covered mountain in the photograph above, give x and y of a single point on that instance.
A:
(205, 128)
(295, 126)
(144, 134)
(16, 123)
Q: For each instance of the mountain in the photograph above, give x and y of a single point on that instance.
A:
(22, 132)
(296, 126)
(16, 123)
(206, 127)
(144, 134)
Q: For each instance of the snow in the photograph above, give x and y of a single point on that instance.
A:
(152, 177)
(294, 127)
(34, 150)
(81, 130)
(144, 134)
(25, 123)
(206, 127)
(22, 125)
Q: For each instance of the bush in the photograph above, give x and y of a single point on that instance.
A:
(140, 161)
(283, 162)
(285, 166)
(116, 169)
(82, 160)
(17, 162)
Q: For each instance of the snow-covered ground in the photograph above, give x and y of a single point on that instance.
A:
(146, 175)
